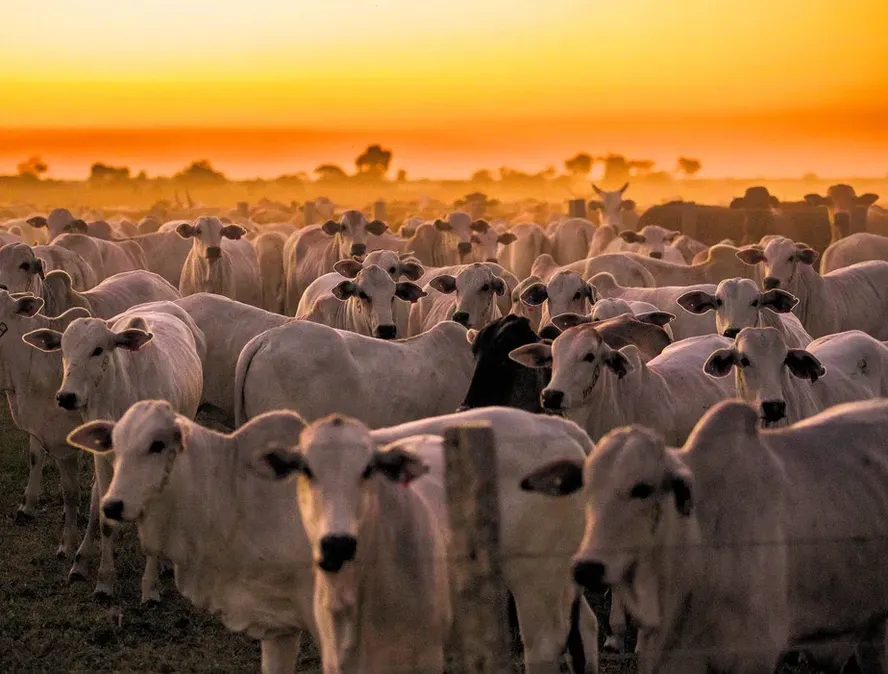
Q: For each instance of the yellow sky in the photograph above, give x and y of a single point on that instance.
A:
(500, 67)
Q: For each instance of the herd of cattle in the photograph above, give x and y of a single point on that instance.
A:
(338, 353)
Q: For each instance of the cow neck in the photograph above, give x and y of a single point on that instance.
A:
(807, 286)
(347, 314)
(29, 368)
(613, 402)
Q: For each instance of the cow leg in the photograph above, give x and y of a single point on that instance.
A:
(279, 655)
(150, 591)
(70, 474)
(86, 550)
(36, 456)
(616, 640)
(107, 571)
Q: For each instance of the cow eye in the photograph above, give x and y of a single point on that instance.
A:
(25, 265)
(364, 296)
(392, 270)
(98, 351)
(641, 491)
(485, 288)
(156, 447)
(578, 295)
(790, 258)
(589, 358)
(718, 302)
(368, 471)
(744, 362)
(755, 303)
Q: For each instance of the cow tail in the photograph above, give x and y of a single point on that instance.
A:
(240, 377)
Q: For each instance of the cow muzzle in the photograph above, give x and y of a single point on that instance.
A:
(462, 317)
(770, 283)
(590, 575)
(66, 400)
(773, 410)
(552, 399)
(214, 253)
(336, 550)
(113, 510)
(358, 248)
(464, 247)
(492, 259)
(656, 254)
(387, 332)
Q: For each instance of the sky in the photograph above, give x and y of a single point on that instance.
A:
(751, 87)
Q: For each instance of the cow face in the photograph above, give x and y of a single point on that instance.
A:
(394, 264)
(606, 308)
(338, 465)
(353, 230)
(59, 221)
(373, 294)
(847, 210)
(476, 288)
(780, 259)
(87, 346)
(611, 205)
(146, 441)
(738, 304)
(566, 292)
(460, 225)
(636, 493)
(762, 362)
(20, 269)
(487, 242)
(652, 240)
(207, 233)
(577, 358)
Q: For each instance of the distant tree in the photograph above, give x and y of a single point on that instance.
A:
(618, 169)
(482, 177)
(200, 172)
(374, 161)
(402, 176)
(102, 174)
(690, 167)
(810, 177)
(33, 167)
(330, 173)
(641, 167)
(580, 165)
(141, 176)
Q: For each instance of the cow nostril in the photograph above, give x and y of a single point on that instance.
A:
(656, 255)
(771, 283)
(774, 410)
(461, 317)
(387, 332)
(731, 333)
(464, 247)
(214, 253)
(590, 575)
(113, 510)
(358, 248)
(65, 400)
(552, 399)
(336, 550)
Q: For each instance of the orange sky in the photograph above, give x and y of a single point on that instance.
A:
(752, 87)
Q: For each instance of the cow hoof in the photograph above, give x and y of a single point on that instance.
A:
(76, 576)
(23, 517)
(103, 592)
(153, 599)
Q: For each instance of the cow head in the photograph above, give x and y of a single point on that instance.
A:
(780, 259)
(207, 233)
(373, 294)
(461, 225)
(566, 292)
(353, 230)
(847, 210)
(395, 265)
(20, 269)
(611, 205)
(488, 240)
(652, 240)
(476, 288)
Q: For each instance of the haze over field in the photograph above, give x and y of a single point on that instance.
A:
(753, 88)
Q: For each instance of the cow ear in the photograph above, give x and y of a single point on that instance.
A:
(412, 270)
(331, 228)
(233, 232)
(94, 437)
(44, 340)
(671, 236)
(751, 255)
(559, 478)
(185, 230)
(375, 227)
(37, 221)
(445, 283)
(132, 339)
(59, 277)
(409, 292)
(697, 302)
(343, 290)
(396, 464)
(867, 199)
(720, 363)
(631, 237)
(275, 463)
(623, 188)
(480, 226)
(550, 333)
(778, 301)
(617, 363)
(591, 293)
(535, 294)
(442, 225)
(506, 238)
(804, 365)
(807, 256)
(595, 205)
(28, 305)
(347, 268)
(816, 200)
(596, 188)
(660, 318)
(474, 239)
(499, 286)
(533, 355)
(681, 485)
(569, 320)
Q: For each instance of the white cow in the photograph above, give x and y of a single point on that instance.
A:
(152, 351)
(105, 258)
(236, 542)
(790, 384)
(312, 251)
(315, 370)
(564, 292)
(738, 304)
(365, 305)
(220, 261)
(859, 247)
(59, 221)
(601, 388)
(570, 240)
(487, 243)
(850, 298)
(446, 241)
(381, 587)
(22, 267)
(666, 299)
(165, 252)
(605, 309)
(652, 241)
(626, 271)
(469, 298)
(112, 296)
(743, 518)
(719, 263)
(394, 263)
(612, 205)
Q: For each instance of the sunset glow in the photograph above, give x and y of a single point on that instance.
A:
(787, 86)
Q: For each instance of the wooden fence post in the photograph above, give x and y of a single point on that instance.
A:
(309, 213)
(476, 581)
(576, 208)
(379, 210)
